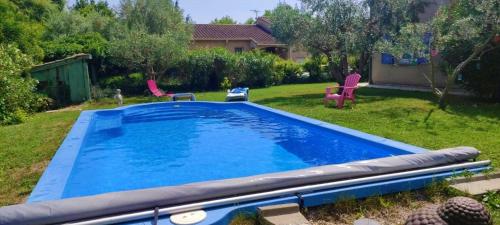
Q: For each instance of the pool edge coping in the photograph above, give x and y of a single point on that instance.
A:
(62, 162)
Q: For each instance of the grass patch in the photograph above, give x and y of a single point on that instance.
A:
(245, 219)
(410, 117)
(388, 209)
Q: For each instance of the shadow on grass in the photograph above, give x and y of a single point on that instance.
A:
(470, 107)
(363, 95)
(459, 106)
(473, 108)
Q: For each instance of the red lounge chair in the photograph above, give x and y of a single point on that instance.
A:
(160, 93)
(348, 92)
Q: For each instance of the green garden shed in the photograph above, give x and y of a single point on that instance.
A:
(66, 81)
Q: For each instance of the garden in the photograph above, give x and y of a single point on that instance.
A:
(410, 117)
(128, 48)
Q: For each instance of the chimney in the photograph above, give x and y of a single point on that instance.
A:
(264, 23)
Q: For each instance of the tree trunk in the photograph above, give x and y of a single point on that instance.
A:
(459, 68)
(151, 73)
(335, 72)
(363, 61)
(344, 64)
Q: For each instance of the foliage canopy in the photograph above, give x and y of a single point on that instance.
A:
(224, 20)
(155, 36)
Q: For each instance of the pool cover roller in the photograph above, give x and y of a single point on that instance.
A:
(83, 208)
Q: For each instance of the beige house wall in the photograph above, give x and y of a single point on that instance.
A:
(403, 74)
(230, 45)
(297, 54)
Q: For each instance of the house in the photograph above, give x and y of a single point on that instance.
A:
(242, 37)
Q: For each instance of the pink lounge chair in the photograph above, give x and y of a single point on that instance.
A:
(160, 93)
(348, 92)
(156, 91)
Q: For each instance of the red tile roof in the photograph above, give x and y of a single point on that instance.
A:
(233, 32)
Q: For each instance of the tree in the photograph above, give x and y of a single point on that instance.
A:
(224, 20)
(285, 21)
(60, 4)
(250, 21)
(155, 36)
(383, 19)
(464, 31)
(73, 23)
(21, 24)
(87, 6)
(269, 13)
(68, 45)
(324, 26)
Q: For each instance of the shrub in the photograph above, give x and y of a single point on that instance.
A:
(16, 90)
(225, 84)
(41, 102)
(98, 93)
(205, 69)
(258, 69)
(134, 83)
(291, 71)
(18, 116)
(315, 66)
(114, 82)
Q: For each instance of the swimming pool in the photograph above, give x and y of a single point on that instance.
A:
(165, 144)
(142, 163)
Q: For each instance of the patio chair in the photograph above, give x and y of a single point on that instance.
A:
(160, 93)
(348, 92)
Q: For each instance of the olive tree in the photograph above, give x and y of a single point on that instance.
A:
(153, 38)
(464, 31)
(224, 20)
(383, 18)
(323, 26)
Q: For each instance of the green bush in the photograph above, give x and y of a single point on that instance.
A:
(316, 67)
(18, 116)
(17, 95)
(117, 81)
(99, 93)
(258, 69)
(291, 71)
(206, 68)
(134, 83)
(225, 84)
(40, 103)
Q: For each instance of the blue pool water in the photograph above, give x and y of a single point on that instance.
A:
(171, 144)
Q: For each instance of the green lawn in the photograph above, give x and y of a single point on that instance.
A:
(410, 117)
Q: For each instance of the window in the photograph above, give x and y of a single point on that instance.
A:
(238, 50)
